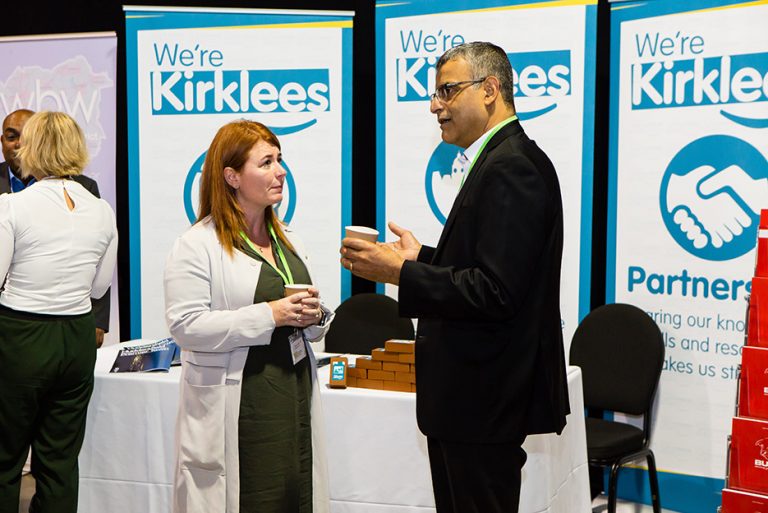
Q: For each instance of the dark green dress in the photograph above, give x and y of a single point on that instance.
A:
(275, 437)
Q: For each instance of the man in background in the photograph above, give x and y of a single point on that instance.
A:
(11, 181)
(489, 347)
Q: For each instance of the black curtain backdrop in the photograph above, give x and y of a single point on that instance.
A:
(49, 17)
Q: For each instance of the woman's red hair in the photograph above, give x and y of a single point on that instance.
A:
(230, 148)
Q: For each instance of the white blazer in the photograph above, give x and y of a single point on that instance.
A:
(210, 313)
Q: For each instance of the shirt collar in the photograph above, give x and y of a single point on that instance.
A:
(16, 184)
(471, 152)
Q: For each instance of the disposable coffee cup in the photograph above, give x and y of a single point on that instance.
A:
(362, 232)
(295, 288)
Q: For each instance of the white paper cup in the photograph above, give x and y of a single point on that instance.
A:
(362, 232)
(296, 288)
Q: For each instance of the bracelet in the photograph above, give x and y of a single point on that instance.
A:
(323, 318)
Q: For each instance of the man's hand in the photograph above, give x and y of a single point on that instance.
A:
(99, 337)
(406, 246)
(372, 261)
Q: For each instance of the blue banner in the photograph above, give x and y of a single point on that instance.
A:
(688, 176)
(552, 51)
(190, 71)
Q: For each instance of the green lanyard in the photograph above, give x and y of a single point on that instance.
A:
(288, 280)
(482, 147)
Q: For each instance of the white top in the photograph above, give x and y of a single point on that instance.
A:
(56, 259)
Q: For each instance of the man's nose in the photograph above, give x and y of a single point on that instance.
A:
(434, 105)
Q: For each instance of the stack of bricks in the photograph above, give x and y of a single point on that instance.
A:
(392, 368)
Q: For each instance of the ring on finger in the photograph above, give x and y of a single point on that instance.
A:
(298, 317)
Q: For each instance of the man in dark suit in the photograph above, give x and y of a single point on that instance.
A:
(489, 349)
(12, 181)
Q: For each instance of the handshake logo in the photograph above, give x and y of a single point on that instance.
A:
(711, 196)
(445, 172)
(284, 209)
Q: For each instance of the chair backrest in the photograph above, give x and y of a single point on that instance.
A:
(364, 322)
(620, 350)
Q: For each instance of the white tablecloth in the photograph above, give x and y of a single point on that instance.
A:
(376, 455)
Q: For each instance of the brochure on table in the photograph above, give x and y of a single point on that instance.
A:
(155, 356)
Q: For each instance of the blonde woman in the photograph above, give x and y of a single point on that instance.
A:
(58, 247)
(248, 430)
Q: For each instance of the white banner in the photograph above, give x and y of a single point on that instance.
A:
(688, 177)
(190, 71)
(551, 48)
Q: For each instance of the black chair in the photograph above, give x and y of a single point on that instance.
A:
(620, 350)
(364, 322)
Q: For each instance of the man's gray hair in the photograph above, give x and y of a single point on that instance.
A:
(484, 59)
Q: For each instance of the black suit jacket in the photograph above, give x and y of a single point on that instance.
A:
(102, 305)
(489, 346)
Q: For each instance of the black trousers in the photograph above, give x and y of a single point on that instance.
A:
(46, 380)
(476, 478)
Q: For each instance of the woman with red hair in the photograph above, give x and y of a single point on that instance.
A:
(248, 436)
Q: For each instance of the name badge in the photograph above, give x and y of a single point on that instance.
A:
(298, 347)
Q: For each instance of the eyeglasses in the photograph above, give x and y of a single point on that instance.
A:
(447, 91)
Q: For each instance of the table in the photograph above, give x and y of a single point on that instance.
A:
(377, 457)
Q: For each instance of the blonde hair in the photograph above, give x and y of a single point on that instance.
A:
(52, 144)
(230, 148)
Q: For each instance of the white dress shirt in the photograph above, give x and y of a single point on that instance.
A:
(471, 152)
(55, 259)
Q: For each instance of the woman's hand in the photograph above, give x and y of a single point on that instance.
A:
(299, 310)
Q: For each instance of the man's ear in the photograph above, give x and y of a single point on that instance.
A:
(232, 177)
(492, 89)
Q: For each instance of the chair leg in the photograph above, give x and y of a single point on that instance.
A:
(613, 482)
(654, 481)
